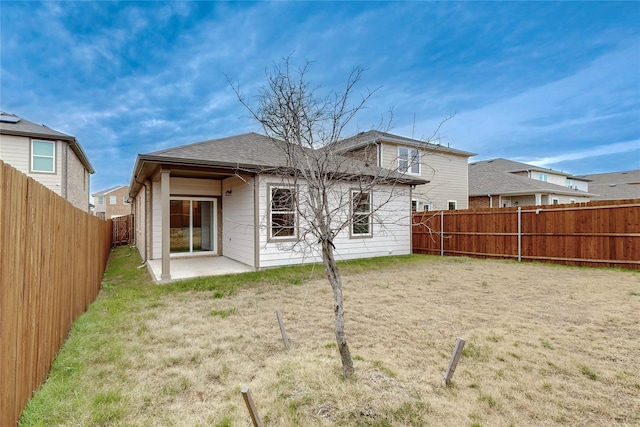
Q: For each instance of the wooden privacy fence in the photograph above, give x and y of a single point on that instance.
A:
(596, 234)
(122, 230)
(52, 257)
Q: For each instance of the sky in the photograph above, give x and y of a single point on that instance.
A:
(555, 84)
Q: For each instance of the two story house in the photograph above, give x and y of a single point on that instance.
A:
(503, 183)
(53, 158)
(112, 202)
(445, 168)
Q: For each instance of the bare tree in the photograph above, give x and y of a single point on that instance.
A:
(307, 128)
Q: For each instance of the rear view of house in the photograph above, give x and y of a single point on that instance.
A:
(53, 158)
(112, 202)
(228, 197)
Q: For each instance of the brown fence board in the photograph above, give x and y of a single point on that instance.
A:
(52, 257)
(598, 234)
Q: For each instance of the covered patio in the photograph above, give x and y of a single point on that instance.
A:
(187, 268)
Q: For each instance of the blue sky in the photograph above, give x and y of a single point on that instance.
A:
(555, 84)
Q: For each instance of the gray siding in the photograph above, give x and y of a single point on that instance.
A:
(238, 216)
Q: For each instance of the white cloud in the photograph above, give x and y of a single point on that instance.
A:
(591, 152)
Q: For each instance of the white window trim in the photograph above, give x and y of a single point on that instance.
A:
(555, 201)
(353, 235)
(411, 160)
(294, 190)
(113, 200)
(100, 200)
(455, 204)
(46, 157)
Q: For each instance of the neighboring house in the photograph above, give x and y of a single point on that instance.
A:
(112, 202)
(225, 197)
(54, 159)
(614, 185)
(446, 169)
(503, 183)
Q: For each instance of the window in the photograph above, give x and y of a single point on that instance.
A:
(101, 200)
(409, 160)
(43, 156)
(192, 225)
(572, 200)
(569, 183)
(452, 205)
(112, 200)
(426, 207)
(414, 205)
(542, 176)
(555, 201)
(283, 213)
(125, 200)
(361, 214)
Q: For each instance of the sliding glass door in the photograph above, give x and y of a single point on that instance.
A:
(192, 225)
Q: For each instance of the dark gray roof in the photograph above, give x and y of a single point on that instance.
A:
(243, 151)
(25, 128)
(253, 153)
(497, 177)
(615, 185)
(364, 138)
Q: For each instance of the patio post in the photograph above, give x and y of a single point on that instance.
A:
(166, 224)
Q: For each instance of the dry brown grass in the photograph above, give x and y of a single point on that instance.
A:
(546, 345)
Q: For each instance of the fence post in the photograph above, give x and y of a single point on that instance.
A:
(453, 363)
(285, 340)
(251, 407)
(519, 233)
(441, 233)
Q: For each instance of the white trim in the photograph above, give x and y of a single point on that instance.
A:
(369, 214)
(52, 157)
(412, 160)
(455, 204)
(294, 194)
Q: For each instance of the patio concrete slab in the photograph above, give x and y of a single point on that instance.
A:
(187, 268)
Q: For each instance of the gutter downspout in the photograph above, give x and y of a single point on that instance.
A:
(490, 200)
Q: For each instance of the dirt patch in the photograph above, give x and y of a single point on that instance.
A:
(545, 345)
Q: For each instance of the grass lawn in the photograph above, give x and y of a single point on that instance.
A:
(546, 345)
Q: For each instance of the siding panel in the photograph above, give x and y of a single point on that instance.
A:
(238, 220)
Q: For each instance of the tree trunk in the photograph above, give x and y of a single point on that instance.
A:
(333, 274)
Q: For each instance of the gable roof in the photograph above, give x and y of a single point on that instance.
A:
(108, 190)
(511, 166)
(373, 136)
(249, 152)
(498, 176)
(10, 124)
(615, 185)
